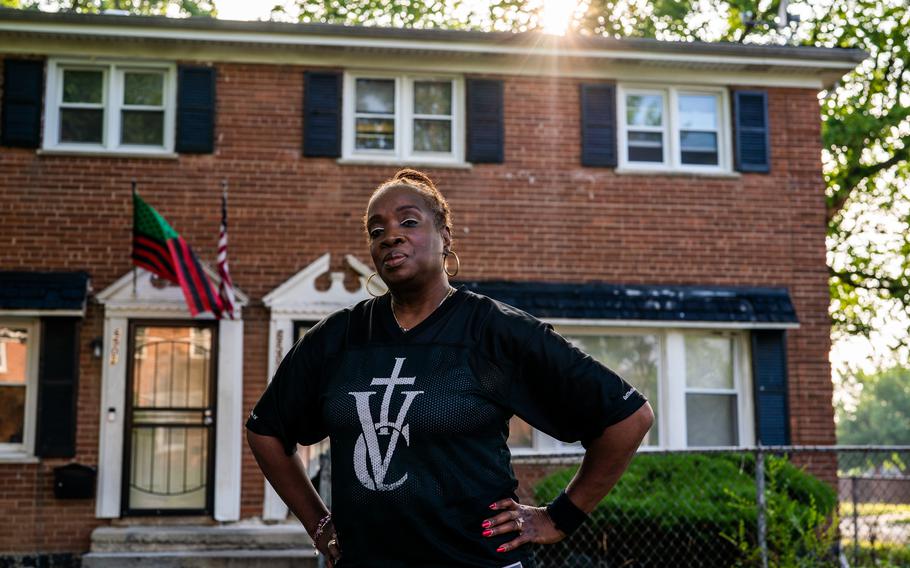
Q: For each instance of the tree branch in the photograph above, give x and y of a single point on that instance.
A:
(858, 174)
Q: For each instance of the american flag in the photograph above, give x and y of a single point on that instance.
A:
(226, 288)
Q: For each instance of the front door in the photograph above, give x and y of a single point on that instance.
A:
(170, 421)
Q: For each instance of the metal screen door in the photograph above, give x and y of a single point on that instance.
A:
(170, 422)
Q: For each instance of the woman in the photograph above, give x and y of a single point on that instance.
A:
(415, 389)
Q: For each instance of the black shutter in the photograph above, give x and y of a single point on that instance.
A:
(485, 134)
(58, 379)
(769, 370)
(598, 125)
(23, 85)
(195, 110)
(753, 146)
(321, 114)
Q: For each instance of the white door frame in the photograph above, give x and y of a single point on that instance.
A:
(148, 299)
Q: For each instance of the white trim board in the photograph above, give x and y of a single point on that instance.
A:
(41, 313)
(447, 45)
(619, 66)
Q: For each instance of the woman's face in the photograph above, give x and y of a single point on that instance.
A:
(405, 244)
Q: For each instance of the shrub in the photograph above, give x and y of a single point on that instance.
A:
(696, 510)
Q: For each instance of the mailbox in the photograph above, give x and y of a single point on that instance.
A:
(74, 481)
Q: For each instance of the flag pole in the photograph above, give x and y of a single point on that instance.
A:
(221, 285)
(134, 231)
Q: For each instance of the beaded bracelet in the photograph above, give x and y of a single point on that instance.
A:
(320, 526)
(565, 515)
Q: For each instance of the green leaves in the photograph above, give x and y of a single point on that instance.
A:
(882, 413)
(142, 7)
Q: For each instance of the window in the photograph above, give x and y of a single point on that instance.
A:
(635, 358)
(674, 128)
(18, 382)
(110, 107)
(711, 394)
(698, 383)
(403, 118)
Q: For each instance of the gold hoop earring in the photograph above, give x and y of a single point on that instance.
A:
(457, 264)
(367, 286)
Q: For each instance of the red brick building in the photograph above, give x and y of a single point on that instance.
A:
(661, 204)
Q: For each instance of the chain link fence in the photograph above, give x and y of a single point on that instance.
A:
(770, 506)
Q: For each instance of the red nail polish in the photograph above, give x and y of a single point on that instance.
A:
(501, 549)
(486, 524)
(493, 506)
(487, 532)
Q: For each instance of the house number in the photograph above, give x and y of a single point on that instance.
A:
(115, 346)
(279, 346)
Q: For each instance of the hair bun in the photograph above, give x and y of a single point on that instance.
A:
(414, 176)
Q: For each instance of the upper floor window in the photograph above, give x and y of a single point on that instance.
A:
(403, 118)
(674, 128)
(110, 107)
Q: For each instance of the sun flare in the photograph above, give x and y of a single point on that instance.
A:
(556, 15)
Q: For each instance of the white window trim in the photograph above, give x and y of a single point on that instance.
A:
(26, 450)
(672, 151)
(404, 120)
(742, 388)
(671, 388)
(112, 99)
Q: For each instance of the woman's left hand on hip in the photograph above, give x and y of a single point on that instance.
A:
(532, 524)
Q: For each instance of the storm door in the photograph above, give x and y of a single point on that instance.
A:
(170, 422)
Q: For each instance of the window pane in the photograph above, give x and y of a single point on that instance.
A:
(520, 433)
(81, 125)
(12, 414)
(142, 127)
(13, 355)
(375, 134)
(13, 379)
(433, 97)
(171, 367)
(376, 96)
(698, 112)
(168, 468)
(698, 147)
(143, 88)
(432, 135)
(646, 146)
(635, 358)
(709, 362)
(82, 86)
(644, 110)
(711, 420)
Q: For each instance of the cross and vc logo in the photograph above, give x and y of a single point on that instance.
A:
(370, 465)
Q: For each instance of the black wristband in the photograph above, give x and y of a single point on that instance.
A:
(565, 515)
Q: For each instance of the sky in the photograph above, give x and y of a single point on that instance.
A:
(244, 9)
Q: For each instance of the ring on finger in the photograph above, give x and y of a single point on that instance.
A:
(520, 523)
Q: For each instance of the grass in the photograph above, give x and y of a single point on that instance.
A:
(873, 509)
(880, 555)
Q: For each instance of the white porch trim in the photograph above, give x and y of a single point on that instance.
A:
(298, 299)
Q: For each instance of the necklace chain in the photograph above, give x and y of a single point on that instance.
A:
(444, 298)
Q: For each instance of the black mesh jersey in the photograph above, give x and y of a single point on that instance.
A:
(418, 421)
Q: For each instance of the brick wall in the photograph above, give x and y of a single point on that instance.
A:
(538, 216)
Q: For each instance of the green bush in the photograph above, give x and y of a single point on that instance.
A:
(698, 510)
